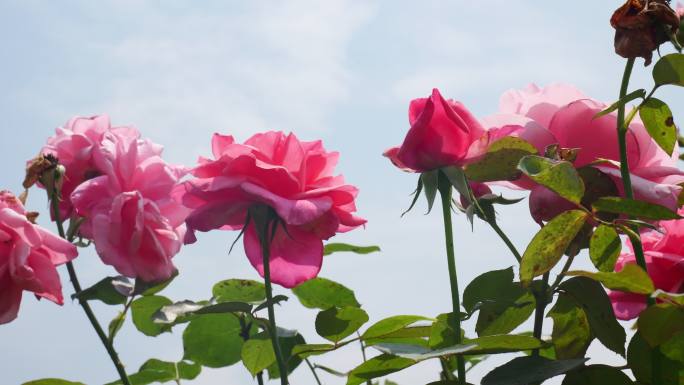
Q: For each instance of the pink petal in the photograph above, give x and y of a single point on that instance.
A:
(296, 256)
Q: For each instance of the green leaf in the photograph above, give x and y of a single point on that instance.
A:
(503, 343)
(335, 324)
(377, 367)
(307, 350)
(391, 325)
(482, 345)
(529, 370)
(549, 244)
(485, 287)
(342, 247)
(430, 180)
(558, 176)
(239, 290)
(177, 312)
(322, 293)
(442, 332)
(659, 323)
(115, 325)
(110, 290)
(669, 70)
(501, 160)
(421, 353)
(635, 208)
(597, 375)
(639, 360)
(157, 371)
(631, 279)
(213, 340)
(188, 370)
(258, 354)
(659, 123)
(52, 381)
(410, 335)
(604, 248)
(638, 94)
(226, 307)
(593, 299)
(571, 335)
(673, 348)
(503, 304)
(287, 344)
(152, 288)
(142, 310)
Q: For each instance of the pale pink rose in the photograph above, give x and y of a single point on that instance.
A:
(441, 134)
(559, 114)
(292, 177)
(74, 147)
(132, 212)
(28, 256)
(664, 253)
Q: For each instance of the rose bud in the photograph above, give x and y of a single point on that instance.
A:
(641, 26)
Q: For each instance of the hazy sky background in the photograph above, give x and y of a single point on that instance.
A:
(340, 70)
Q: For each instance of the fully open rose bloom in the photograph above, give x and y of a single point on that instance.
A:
(561, 114)
(292, 177)
(442, 134)
(28, 256)
(74, 147)
(131, 212)
(664, 253)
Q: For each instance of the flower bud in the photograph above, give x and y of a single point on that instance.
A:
(641, 26)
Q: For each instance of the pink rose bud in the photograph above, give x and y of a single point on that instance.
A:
(441, 134)
(28, 256)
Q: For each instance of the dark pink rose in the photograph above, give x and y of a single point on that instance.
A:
(133, 211)
(560, 114)
(441, 134)
(293, 178)
(664, 253)
(478, 189)
(28, 256)
(74, 147)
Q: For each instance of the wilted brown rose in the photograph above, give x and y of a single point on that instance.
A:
(36, 167)
(641, 26)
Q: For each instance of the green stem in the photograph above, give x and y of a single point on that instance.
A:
(506, 240)
(363, 353)
(260, 378)
(265, 247)
(622, 129)
(445, 193)
(313, 370)
(121, 319)
(113, 355)
(542, 300)
(561, 275)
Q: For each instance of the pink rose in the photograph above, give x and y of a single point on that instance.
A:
(441, 134)
(664, 253)
(132, 214)
(74, 146)
(278, 171)
(560, 114)
(28, 256)
(478, 189)
(680, 10)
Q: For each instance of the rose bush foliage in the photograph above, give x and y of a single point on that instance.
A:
(599, 176)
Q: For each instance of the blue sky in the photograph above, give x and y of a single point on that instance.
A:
(340, 70)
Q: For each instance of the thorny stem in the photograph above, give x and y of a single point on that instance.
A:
(265, 247)
(445, 192)
(113, 355)
(622, 129)
(541, 296)
(313, 370)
